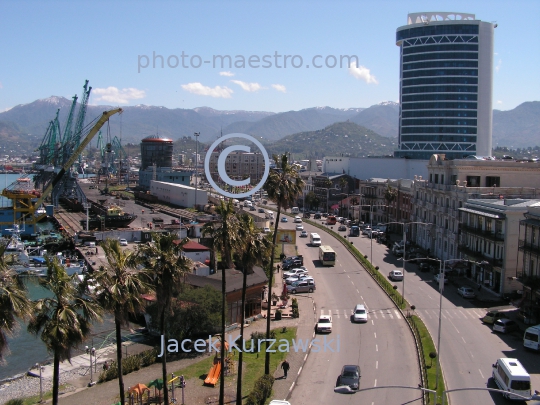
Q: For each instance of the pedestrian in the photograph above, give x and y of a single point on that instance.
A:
(96, 250)
(278, 268)
(285, 366)
(106, 365)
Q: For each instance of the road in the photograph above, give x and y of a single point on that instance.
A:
(383, 348)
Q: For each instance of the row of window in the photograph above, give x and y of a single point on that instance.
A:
(438, 130)
(436, 138)
(440, 64)
(440, 72)
(438, 113)
(439, 80)
(439, 104)
(430, 30)
(439, 96)
(438, 121)
(439, 89)
(428, 152)
(440, 47)
(442, 39)
(440, 56)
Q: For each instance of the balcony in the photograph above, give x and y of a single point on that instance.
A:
(479, 256)
(492, 236)
(525, 246)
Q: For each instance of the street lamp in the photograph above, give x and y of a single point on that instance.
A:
(196, 165)
(40, 383)
(91, 352)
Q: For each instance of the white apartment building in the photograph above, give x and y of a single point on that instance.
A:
(529, 258)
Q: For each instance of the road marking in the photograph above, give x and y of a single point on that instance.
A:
(352, 282)
(375, 383)
(348, 276)
(390, 314)
(357, 291)
(305, 357)
(299, 370)
(427, 313)
(481, 373)
(465, 315)
(376, 348)
(362, 298)
(373, 323)
(453, 326)
(463, 340)
(337, 314)
(292, 386)
(397, 314)
(444, 316)
(375, 334)
(429, 296)
(382, 313)
(377, 364)
(345, 313)
(472, 355)
(448, 313)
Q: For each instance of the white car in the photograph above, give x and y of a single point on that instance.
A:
(266, 230)
(396, 275)
(297, 219)
(303, 234)
(436, 278)
(295, 272)
(466, 292)
(123, 242)
(299, 227)
(324, 324)
(359, 313)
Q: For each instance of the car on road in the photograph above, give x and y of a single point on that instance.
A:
(299, 227)
(261, 210)
(505, 325)
(303, 234)
(350, 375)
(123, 242)
(297, 220)
(437, 276)
(359, 313)
(284, 219)
(302, 286)
(266, 230)
(395, 275)
(366, 231)
(317, 216)
(424, 266)
(324, 324)
(252, 208)
(342, 228)
(466, 292)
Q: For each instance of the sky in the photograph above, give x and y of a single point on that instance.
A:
(284, 55)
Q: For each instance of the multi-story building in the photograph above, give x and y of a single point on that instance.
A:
(529, 249)
(446, 76)
(451, 183)
(489, 230)
(239, 166)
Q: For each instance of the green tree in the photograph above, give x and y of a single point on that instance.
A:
(312, 200)
(14, 301)
(118, 290)
(283, 186)
(224, 234)
(64, 320)
(167, 266)
(390, 195)
(253, 250)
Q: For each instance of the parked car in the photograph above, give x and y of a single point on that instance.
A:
(261, 210)
(303, 234)
(301, 287)
(437, 276)
(324, 324)
(466, 292)
(424, 266)
(292, 263)
(299, 227)
(395, 275)
(342, 228)
(266, 230)
(123, 242)
(505, 325)
(317, 216)
(298, 277)
(366, 231)
(284, 219)
(350, 375)
(294, 272)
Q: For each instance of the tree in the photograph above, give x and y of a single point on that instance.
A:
(167, 265)
(118, 290)
(224, 235)
(390, 195)
(253, 250)
(283, 187)
(64, 320)
(14, 301)
(312, 200)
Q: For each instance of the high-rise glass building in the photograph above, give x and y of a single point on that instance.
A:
(446, 85)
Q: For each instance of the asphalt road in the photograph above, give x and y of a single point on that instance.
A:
(383, 348)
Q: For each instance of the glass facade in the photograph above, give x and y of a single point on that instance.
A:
(439, 88)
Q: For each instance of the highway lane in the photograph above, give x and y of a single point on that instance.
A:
(468, 347)
(384, 347)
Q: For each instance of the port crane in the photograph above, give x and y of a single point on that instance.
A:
(26, 199)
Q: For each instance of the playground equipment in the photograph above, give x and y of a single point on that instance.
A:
(214, 373)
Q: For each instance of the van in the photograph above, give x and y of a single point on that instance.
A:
(269, 215)
(511, 376)
(314, 239)
(531, 339)
(495, 314)
(295, 210)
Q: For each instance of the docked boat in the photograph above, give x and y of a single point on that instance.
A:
(114, 218)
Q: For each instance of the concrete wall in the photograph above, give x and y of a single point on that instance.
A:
(178, 194)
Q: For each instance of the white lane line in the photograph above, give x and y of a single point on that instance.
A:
(300, 370)
(398, 316)
(362, 298)
(436, 314)
(373, 323)
(429, 296)
(375, 334)
(348, 276)
(375, 383)
(472, 355)
(337, 314)
(453, 326)
(345, 313)
(375, 315)
(376, 348)
(292, 386)
(382, 313)
(481, 373)
(377, 364)
(427, 313)
(352, 282)
(463, 339)
(305, 357)
(448, 313)
(462, 313)
(390, 315)
(357, 291)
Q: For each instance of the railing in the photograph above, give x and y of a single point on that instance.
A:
(529, 247)
(494, 236)
(479, 255)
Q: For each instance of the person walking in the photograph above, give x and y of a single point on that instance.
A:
(285, 366)
(278, 268)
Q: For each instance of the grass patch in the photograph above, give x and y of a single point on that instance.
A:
(253, 363)
(46, 396)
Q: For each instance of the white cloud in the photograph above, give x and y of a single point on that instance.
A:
(247, 86)
(499, 102)
(362, 73)
(499, 64)
(217, 92)
(228, 74)
(280, 87)
(118, 96)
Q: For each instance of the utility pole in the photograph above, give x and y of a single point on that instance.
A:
(196, 165)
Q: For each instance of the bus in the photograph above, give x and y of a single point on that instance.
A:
(327, 256)
(331, 220)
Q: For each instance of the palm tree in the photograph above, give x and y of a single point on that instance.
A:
(283, 186)
(224, 236)
(64, 320)
(390, 195)
(164, 260)
(118, 291)
(253, 250)
(14, 301)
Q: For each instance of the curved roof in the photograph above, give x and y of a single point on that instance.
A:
(156, 138)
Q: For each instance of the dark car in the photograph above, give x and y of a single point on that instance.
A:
(342, 228)
(350, 375)
(424, 266)
(291, 262)
(317, 216)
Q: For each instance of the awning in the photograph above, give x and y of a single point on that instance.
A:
(483, 213)
(39, 260)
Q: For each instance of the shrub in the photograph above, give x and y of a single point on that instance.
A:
(15, 402)
(129, 364)
(295, 313)
(261, 390)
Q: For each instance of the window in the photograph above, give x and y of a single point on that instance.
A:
(493, 181)
(431, 177)
(473, 181)
(436, 178)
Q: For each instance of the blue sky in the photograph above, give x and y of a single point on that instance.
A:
(50, 48)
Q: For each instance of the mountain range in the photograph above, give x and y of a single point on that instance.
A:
(24, 126)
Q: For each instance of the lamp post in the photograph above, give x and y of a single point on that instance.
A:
(40, 383)
(91, 352)
(196, 165)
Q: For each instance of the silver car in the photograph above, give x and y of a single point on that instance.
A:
(466, 292)
(301, 286)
